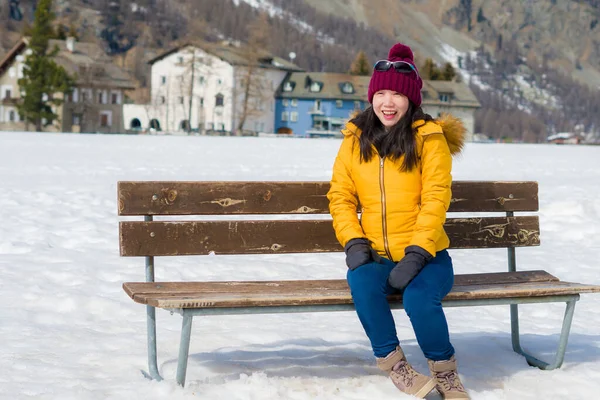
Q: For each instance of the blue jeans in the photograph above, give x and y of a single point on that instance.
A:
(422, 302)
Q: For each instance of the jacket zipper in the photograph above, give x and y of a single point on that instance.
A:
(383, 210)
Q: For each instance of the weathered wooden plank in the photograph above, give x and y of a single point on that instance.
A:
(288, 293)
(159, 238)
(220, 198)
(290, 286)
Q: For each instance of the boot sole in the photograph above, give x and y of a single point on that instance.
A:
(426, 389)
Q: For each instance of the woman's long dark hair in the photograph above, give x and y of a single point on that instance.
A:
(399, 141)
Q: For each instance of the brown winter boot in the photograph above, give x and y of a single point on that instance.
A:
(447, 380)
(404, 376)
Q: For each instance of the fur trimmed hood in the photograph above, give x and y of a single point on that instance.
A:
(454, 130)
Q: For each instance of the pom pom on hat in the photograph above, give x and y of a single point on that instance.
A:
(401, 52)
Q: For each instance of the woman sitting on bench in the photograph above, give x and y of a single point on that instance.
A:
(395, 161)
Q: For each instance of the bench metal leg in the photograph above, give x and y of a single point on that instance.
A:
(151, 323)
(184, 348)
(562, 343)
(152, 362)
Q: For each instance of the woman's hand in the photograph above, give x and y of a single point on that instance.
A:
(415, 258)
(359, 252)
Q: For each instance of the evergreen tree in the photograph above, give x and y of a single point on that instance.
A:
(73, 32)
(42, 77)
(430, 71)
(61, 32)
(360, 66)
(448, 73)
(480, 17)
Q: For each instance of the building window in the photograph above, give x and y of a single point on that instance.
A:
(100, 98)
(201, 80)
(285, 116)
(115, 98)
(294, 116)
(315, 87)
(84, 95)
(219, 81)
(180, 99)
(445, 97)
(76, 119)
(221, 126)
(163, 80)
(339, 103)
(317, 105)
(347, 88)
(285, 102)
(201, 101)
(219, 100)
(289, 86)
(11, 116)
(163, 100)
(180, 60)
(7, 93)
(294, 102)
(209, 126)
(105, 119)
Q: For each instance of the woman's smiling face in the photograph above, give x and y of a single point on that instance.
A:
(389, 106)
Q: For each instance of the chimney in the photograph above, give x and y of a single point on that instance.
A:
(71, 44)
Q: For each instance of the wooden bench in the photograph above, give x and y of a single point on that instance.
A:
(150, 238)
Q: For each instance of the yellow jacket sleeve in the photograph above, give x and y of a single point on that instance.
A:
(343, 199)
(436, 192)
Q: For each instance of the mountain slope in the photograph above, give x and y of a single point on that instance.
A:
(566, 33)
(532, 63)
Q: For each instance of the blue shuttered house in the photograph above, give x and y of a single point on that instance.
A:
(312, 104)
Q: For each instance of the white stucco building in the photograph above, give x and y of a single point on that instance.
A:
(206, 84)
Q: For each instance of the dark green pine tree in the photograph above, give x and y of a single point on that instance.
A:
(42, 77)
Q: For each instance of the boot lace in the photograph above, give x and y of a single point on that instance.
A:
(404, 372)
(450, 381)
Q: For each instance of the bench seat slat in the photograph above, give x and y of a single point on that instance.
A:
(323, 295)
(220, 198)
(314, 292)
(336, 284)
(162, 238)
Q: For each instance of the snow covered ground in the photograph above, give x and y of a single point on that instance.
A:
(70, 332)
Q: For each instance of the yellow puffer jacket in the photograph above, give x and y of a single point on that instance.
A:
(398, 209)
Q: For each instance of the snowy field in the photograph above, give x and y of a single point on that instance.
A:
(69, 331)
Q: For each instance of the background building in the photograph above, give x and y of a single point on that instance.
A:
(206, 87)
(318, 104)
(96, 103)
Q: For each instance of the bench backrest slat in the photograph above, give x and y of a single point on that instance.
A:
(160, 238)
(222, 198)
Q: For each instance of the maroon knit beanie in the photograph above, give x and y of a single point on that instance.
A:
(408, 84)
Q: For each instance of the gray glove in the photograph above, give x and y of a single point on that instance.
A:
(415, 258)
(359, 252)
